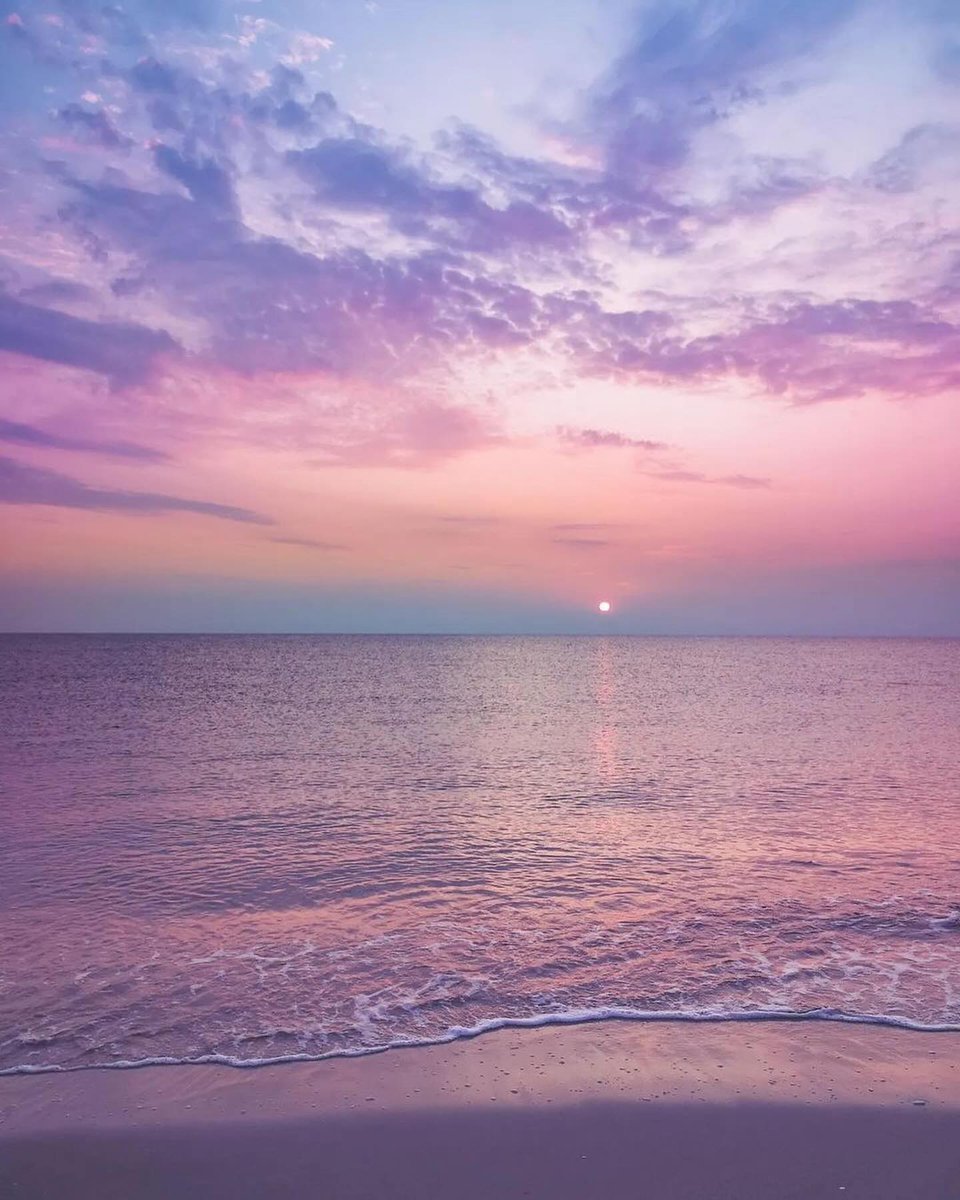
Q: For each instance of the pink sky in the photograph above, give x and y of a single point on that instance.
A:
(286, 342)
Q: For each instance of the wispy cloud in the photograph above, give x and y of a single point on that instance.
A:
(585, 526)
(459, 519)
(30, 435)
(597, 438)
(123, 352)
(679, 475)
(22, 484)
(308, 543)
(582, 543)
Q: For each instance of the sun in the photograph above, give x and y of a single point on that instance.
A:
(604, 606)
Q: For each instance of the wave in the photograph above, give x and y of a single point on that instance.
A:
(466, 1032)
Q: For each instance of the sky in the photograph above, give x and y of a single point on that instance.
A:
(462, 316)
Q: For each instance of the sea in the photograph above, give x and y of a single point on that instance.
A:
(249, 849)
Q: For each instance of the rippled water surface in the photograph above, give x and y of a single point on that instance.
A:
(259, 847)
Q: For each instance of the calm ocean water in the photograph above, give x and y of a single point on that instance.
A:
(267, 847)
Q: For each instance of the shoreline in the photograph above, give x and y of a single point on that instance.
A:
(564, 1019)
(695, 1109)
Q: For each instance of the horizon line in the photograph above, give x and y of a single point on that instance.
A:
(157, 633)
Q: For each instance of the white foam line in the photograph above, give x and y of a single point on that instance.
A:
(464, 1032)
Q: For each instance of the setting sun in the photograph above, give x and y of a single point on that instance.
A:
(604, 606)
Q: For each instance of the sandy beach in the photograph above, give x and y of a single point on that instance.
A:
(667, 1111)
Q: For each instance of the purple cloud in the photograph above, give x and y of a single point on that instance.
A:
(738, 481)
(205, 180)
(30, 435)
(743, 481)
(584, 526)
(308, 543)
(691, 64)
(586, 200)
(902, 167)
(94, 124)
(269, 307)
(582, 543)
(22, 484)
(179, 102)
(356, 173)
(57, 291)
(805, 351)
(123, 352)
(597, 438)
(470, 521)
(813, 352)
(494, 252)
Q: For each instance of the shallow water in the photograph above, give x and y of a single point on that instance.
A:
(257, 847)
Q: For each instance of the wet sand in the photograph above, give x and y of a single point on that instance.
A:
(660, 1111)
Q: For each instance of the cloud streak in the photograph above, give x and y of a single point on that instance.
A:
(29, 435)
(23, 484)
(593, 439)
(308, 543)
(125, 353)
